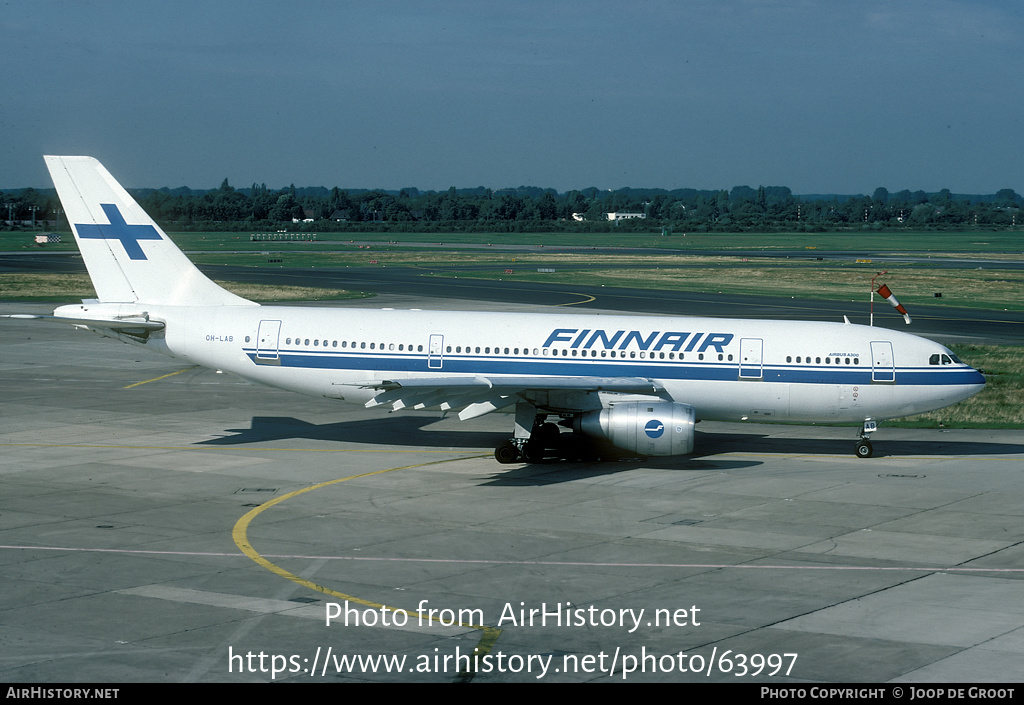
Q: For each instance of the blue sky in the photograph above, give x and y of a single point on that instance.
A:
(822, 97)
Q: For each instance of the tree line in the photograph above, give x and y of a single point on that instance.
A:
(533, 209)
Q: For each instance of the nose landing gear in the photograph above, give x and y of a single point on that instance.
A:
(863, 448)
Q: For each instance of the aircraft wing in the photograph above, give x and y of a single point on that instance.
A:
(481, 395)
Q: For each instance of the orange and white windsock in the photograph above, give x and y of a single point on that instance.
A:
(887, 293)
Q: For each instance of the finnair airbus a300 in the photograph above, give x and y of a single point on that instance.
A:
(638, 383)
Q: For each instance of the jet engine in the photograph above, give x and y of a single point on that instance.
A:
(645, 428)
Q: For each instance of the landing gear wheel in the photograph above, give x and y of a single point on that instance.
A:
(506, 452)
(864, 449)
(533, 452)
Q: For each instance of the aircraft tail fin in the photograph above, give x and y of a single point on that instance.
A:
(129, 258)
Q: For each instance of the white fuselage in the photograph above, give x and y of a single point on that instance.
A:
(726, 369)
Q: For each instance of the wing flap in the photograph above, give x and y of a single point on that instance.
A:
(479, 395)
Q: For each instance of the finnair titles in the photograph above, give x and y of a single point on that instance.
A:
(674, 340)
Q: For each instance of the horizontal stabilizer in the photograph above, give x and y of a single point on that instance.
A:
(120, 324)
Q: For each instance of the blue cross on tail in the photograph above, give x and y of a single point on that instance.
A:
(129, 235)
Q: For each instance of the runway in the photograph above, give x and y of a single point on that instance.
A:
(944, 323)
(160, 523)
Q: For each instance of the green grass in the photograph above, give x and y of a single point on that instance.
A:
(1008, 242)
(967, 288)
(999, 405)
(49, 286)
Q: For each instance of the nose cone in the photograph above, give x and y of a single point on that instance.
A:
(973, 383)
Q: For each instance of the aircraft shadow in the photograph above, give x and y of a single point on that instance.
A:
(409, 430)
(550, 472)
(398, 429)
(707, 444)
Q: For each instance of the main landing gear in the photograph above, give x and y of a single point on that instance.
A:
(533, 449)
(863, 448)
(537, 439)
(534, 437)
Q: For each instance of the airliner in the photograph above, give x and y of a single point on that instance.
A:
(638, 384)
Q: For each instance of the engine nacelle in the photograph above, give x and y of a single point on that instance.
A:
(645, 428)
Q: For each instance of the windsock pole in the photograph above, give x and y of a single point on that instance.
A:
(872, 317)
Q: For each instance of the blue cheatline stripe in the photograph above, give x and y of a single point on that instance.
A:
(560, 367)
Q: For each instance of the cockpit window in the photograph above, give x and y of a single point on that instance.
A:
(934, 359)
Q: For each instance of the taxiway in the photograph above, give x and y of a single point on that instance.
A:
(166, 523)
